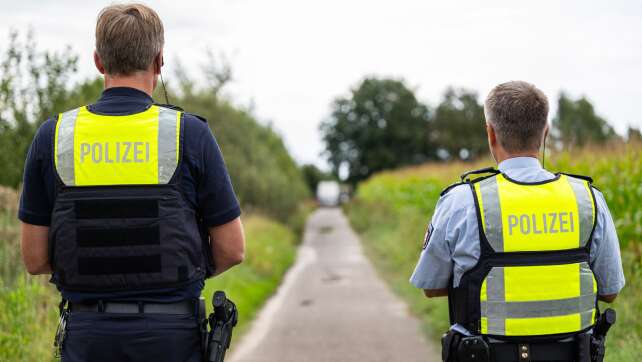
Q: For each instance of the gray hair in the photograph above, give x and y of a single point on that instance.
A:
(128, 38)
(517, 111)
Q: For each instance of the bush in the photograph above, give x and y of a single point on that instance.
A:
(264, 175)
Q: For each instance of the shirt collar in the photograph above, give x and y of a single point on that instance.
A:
(132, 94)
(519, 162)
(120, 101)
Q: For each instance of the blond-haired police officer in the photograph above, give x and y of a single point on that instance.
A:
(120, 198)
(523, 254)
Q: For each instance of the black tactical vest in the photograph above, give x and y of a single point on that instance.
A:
(120, 221)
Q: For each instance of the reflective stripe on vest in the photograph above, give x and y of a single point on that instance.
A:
(533, 300)
(538, 300)
(139, 149)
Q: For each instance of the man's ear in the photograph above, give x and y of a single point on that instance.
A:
(158, 63)
(99, 63)
(492, 136)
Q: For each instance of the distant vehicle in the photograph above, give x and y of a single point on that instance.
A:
(329, 193)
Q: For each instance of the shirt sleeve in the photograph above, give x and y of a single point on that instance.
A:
(435, 266)
(606, 261)
(453, 244)
(217, 201)
(35, 202)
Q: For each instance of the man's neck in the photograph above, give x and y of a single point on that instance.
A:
(142, 82)
(503, 156)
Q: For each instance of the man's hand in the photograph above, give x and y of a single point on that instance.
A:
(609, 298)
(228, 245)
(35, 248)
(432, 293)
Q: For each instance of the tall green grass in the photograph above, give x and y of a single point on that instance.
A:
(271, 250)
(28, 313)
(392, 209)
(28, 305)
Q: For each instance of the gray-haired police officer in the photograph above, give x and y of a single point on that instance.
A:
(523, 254)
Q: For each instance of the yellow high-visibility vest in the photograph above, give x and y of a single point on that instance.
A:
(139, 149)
(533, 277)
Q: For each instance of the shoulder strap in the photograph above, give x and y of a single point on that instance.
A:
(582, 177)
(487, 170)
(177, 108)
(197, 116)
(450, 187)
(467, 180)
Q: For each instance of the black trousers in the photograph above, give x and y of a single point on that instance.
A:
(98, 337)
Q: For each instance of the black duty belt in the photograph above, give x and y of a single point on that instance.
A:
(183, 307)
(555, 351)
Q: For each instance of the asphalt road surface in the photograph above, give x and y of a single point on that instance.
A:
(332, 306)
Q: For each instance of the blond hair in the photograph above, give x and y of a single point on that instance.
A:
(128, 38)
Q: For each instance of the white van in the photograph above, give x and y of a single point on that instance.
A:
(328, 193)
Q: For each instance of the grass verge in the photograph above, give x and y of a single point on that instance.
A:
(271, 249)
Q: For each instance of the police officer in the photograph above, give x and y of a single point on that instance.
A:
(129, 206)
(522, 253)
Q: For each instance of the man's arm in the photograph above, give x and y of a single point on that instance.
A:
(35, 203)
(432, 293)
(216, 200)
(228, 245)
(606, 261)
(607, 298)
(35, 250)
(434, 269)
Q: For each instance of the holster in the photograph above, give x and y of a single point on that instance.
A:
(202, 323)
(459, 348)
(449, 344)
(597, 348)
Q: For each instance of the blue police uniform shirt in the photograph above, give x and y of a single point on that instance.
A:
(205, 182)
(453, 246)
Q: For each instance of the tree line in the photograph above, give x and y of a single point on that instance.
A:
(382, 125)
(36, 85)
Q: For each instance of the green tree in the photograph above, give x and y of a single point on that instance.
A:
(458, 127)
(264, 175)
(34, 86)
(381, 125)
(576, 123)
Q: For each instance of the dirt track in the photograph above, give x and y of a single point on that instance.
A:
(332, 306)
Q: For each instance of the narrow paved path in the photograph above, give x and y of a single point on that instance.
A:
(333, 307)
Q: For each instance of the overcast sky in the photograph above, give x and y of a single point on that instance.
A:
(291, 58)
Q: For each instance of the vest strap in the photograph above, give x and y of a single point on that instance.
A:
(116, 208)
(119, 265)
(110, 237)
